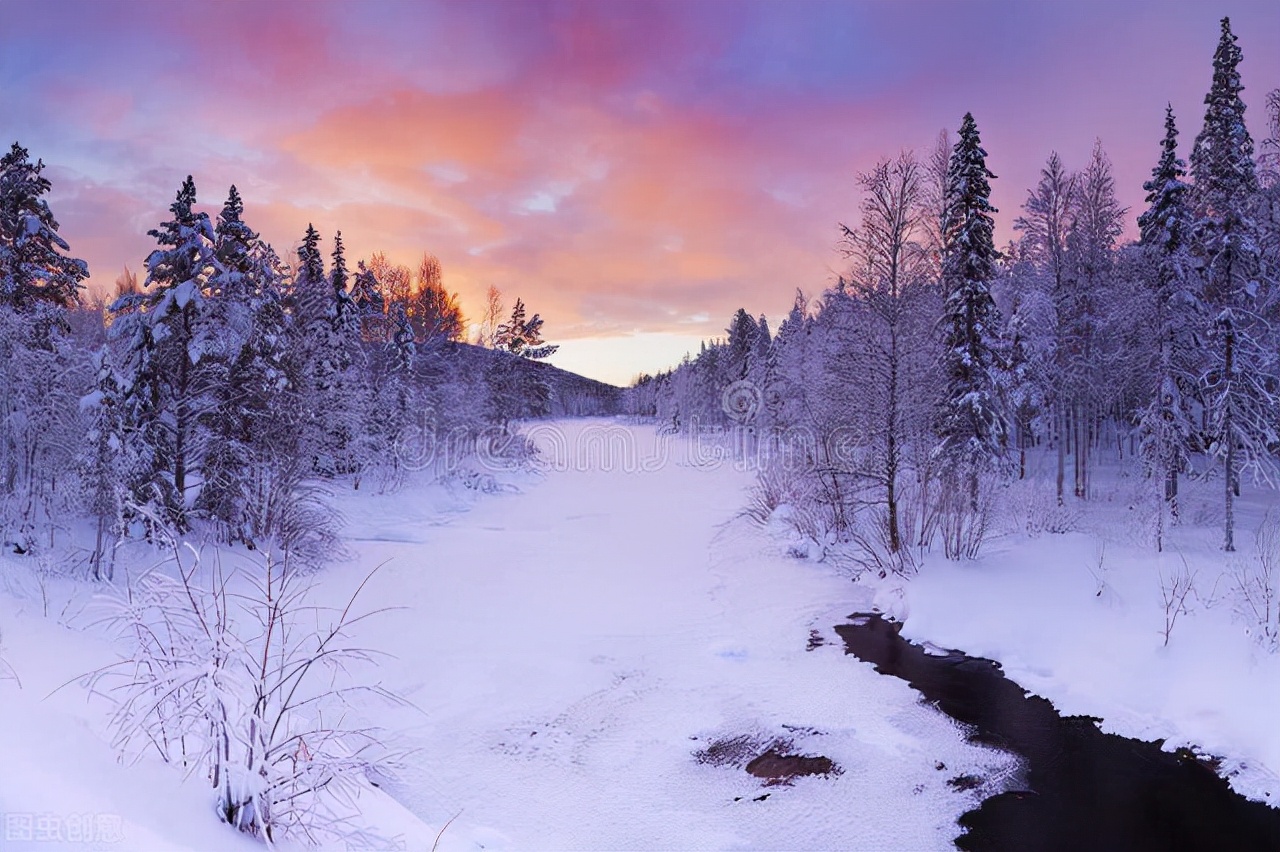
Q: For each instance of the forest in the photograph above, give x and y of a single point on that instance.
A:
(230, 389)
(370, 573)
(891, 409)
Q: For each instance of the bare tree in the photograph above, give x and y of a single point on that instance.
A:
(889, 276)
(487, 334)
(1048, 216)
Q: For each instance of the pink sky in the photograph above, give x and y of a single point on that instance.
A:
(634, 171)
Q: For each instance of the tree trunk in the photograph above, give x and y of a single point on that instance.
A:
(891, 460)
(1062, 451)
(1229, 480)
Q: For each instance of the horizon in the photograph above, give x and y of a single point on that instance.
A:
(633, 172)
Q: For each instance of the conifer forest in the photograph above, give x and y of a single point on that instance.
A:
(640, 425)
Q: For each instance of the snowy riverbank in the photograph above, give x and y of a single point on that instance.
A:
(568, 650)
(1080, 618)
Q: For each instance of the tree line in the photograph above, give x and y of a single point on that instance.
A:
(231, 390)
(913, 388)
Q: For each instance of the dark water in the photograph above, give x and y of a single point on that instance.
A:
(1088, 791)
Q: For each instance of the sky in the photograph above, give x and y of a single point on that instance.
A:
(635, 172)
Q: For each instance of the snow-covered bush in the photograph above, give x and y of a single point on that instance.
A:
(499, 448)
(776, 485)
(237, 677)
(1255, 585)
(1033, 508)
(963, 526)
(6, 670)
(869, 539)
(1175, 589)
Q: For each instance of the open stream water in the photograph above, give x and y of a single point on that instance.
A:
(1083, 790)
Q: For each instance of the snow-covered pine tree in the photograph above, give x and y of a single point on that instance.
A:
(237, 401)
(165, 337)
(523, 337)
(784, 394)
(367, 297)
(103, 465)
(971, 426)
(348, 319)
(1022, 294)
(743, 336)
(1167, 424)
(33, 264)
(1268, 208)
(1238, 377)
(392, 400)
(322, 356)
(353, 365)
(41, 370)
(280, 506)
(514, 389)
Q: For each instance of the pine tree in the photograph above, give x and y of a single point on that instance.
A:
(103, 465)
(346, 313)
(1167, 424)
(971, 426)
(1222, 163)
(743, 339)
(33, 267)
(165, 380)
(785, 388)
(523, 337)
(324, 356)
(366, 296)
(1237, 382)
(40, 366)
(246, 390)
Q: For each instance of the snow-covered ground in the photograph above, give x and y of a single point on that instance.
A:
(1079, 618)
(568, 649)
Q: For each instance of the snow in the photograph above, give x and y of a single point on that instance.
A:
(567, 649)
(1092, 640)
(572, 646)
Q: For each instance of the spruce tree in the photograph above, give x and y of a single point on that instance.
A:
(1238, 390)
(1167, 423)
(166, 374)
(33, 266)
(323, 357)
(743, 339)
(238, 397)
(1222, 163)
(971, 425)
(523, 337)
(103, 465)
(366, 296)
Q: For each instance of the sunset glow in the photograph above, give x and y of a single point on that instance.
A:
(634, 171)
